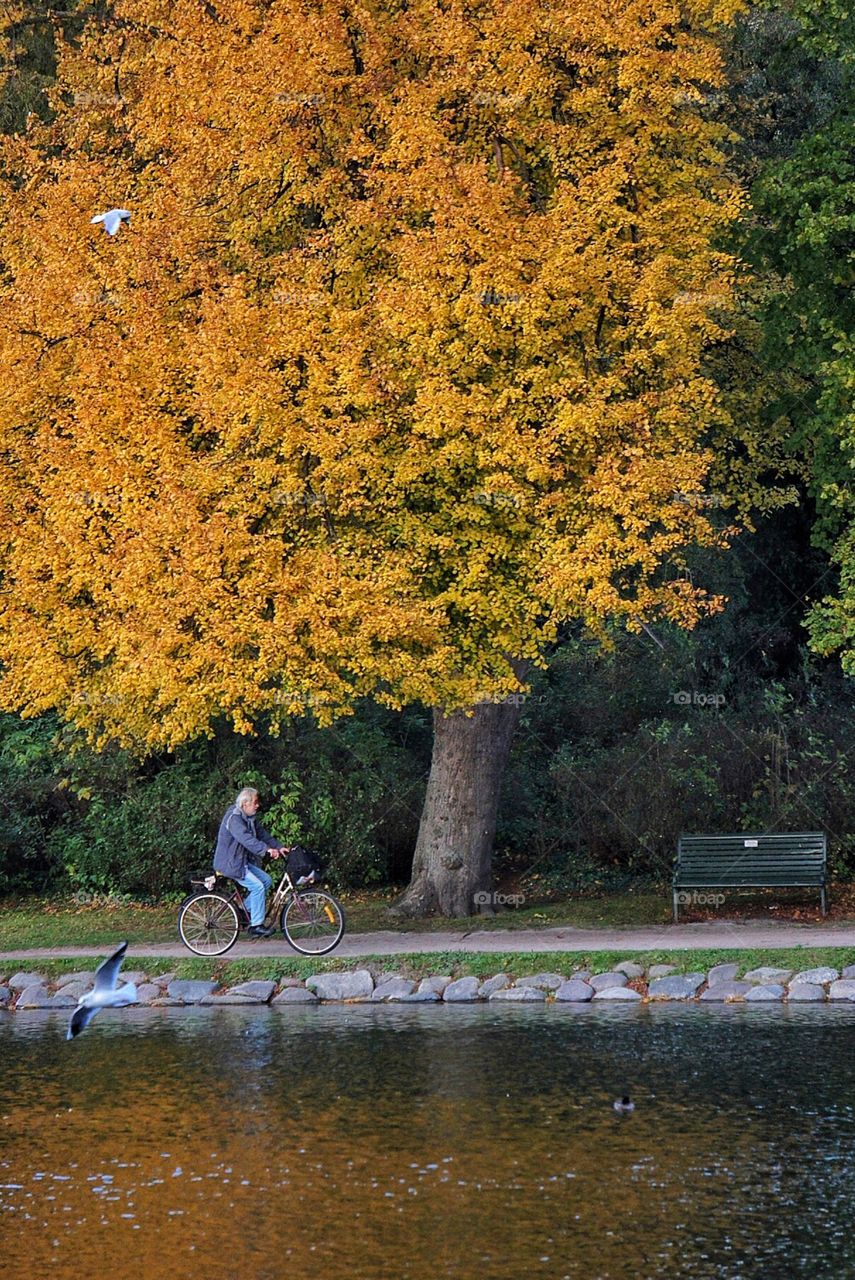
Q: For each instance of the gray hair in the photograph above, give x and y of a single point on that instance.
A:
(246, 794)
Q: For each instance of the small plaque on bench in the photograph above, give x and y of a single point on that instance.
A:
(751, 844)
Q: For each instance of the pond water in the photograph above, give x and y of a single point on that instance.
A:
(415, 1143)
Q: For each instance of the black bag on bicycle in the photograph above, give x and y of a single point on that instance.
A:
(302, 862)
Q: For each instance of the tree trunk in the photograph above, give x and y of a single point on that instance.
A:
(454, 850)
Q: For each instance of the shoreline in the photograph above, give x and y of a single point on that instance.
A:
(628, 982)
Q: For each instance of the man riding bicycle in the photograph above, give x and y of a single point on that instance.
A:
(241, 844)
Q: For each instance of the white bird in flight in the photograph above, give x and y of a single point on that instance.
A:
(105, 994)
(113, 219)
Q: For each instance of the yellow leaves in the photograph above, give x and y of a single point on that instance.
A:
(398, 364)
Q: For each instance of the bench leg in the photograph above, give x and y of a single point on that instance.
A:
(676, 908)
(824, 901)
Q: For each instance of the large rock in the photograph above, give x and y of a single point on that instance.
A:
(575, 991)
(817, 977)
(437, 984)
(190, 990)
(75, 989)
(677, 987)
(602, 981)
(543, 981)
(463, 989)
(163, 979)
(726, 991)
(35, 996)
(630, 968)
(83, 975)
(805, 991)
(849, 971)
(38, 997)
(497, 983)
(767, 991)
(358, 985)
(661, 970)
(420, 997)
(20, 981)
(842, 989)
(5, 996)
(147, 992)
(513, 994)
(393, 989)
(617, 993)
(229, 997)
(766, 974)
(722, 973)
(260, 989)
(295, 995)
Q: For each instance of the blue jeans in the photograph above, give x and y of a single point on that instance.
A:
(258, 882)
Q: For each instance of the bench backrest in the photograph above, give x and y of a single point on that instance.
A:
(780, 858)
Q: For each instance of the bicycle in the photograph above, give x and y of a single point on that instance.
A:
(211, 917)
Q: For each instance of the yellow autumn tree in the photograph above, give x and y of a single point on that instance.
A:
(397, 366)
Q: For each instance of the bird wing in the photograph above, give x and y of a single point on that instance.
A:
(123, 213)
(108, 971)
(99, 217)
(80, 1020)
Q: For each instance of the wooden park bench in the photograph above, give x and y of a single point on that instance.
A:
(780, 860)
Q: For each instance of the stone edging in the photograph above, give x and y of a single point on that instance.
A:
(627, 982)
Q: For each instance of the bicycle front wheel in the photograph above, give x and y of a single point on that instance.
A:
(312, 922)
(208, 924)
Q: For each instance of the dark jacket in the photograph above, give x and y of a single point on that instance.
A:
(240, 840)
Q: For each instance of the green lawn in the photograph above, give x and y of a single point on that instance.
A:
(63, 922)
(456, 963)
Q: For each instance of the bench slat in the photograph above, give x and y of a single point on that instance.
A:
(744, 860)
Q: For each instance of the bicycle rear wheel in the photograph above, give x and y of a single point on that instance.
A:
(208, 924)
(313, 922)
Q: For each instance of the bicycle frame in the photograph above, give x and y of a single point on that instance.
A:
(285, 890)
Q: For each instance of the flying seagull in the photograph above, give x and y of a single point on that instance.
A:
(105, 993)
(113, 219)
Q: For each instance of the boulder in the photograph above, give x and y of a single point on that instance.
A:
(817, 977)
(602, 981)
(20, 981)
(766, 991)
(661, 970)
(617, 993)
(543, 981)
(514, 994)
(463, 989)
(436, 984)
(147, 991)
(805, 991)
(677, 987)
(630, 968)
(575, 991)
(5, 996)
(357, 985)
(164, 979)
(849, 971)
(767, 974)
(75, 990)
(393, 989)
(36, 996)
(727, 991)
(497, 983)
(722, 973)
(190, 990)
(84, 975)
(295, 995)
(260, 989)
(419, 997)
(842, 989)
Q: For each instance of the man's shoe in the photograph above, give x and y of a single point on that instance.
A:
(260, 931)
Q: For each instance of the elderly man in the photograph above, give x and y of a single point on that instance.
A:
(241, 844)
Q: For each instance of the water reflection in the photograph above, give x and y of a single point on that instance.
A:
(421, 1142)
